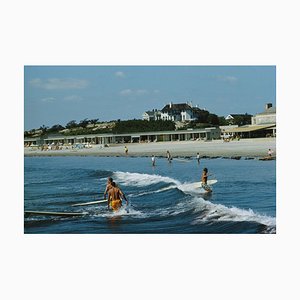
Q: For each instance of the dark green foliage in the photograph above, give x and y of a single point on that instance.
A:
(246, 119)
(44, 129)
(93, 121)
(83, 123)
(55, 128)
(72, 124)
(28, 134)
(142, 126)
(222, 121)
(240, 120)
(213, 119)
(204, 119)
(203, 116)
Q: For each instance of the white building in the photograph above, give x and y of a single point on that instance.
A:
(152, 115)
(262, 125)
(266, 117)
(179, 112)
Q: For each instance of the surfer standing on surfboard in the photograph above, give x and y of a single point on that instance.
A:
(204, 180)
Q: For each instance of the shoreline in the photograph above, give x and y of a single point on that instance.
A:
(247, 148)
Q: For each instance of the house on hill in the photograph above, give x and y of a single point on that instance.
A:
(152, 115)
(180, 112)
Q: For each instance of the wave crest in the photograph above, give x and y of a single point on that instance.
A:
(141, 179)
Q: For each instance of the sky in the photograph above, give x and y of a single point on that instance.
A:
(59, 94)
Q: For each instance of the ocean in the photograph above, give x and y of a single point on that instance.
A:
(161, 199)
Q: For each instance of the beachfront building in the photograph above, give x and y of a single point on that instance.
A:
(176, 112)
(226, 129)
(205, 134)
(268, 116)
(262, 125)
(180, 112)
(152, 115)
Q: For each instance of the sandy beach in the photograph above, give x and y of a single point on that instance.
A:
(248, 148)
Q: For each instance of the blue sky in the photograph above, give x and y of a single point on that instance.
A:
(58, 94)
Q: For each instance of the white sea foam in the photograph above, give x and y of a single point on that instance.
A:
(140, 179)
(152, 192)
(123, 211)
(212, 212)
(219, 212)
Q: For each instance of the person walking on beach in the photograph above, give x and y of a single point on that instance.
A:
(198, 157)
(115, 197)
(126, 150)
(169, 157)
(204, 180)
(153, 160)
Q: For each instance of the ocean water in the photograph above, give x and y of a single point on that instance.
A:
(160, 198)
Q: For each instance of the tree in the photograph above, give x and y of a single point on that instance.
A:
(83, 123)
(142, 126)
(202, 115)
(94, 121)
(213, 119)
(242, 120)
(44, 129)
(72, 124)
(222, 121)
(55, 128)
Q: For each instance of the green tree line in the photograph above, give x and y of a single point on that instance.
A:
(89, 126)
(142, 126)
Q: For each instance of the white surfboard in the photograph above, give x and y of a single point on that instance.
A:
(194, 187)
(209, 182)
(54, 213)
(89, 203)
(197, 184)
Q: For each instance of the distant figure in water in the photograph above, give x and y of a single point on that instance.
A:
(169, 157)
(198, 157)
(115, 196)
(270, 152)
(153, 160)
(126, 150)
(204, 180)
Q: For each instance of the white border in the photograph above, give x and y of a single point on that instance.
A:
(139, 32)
